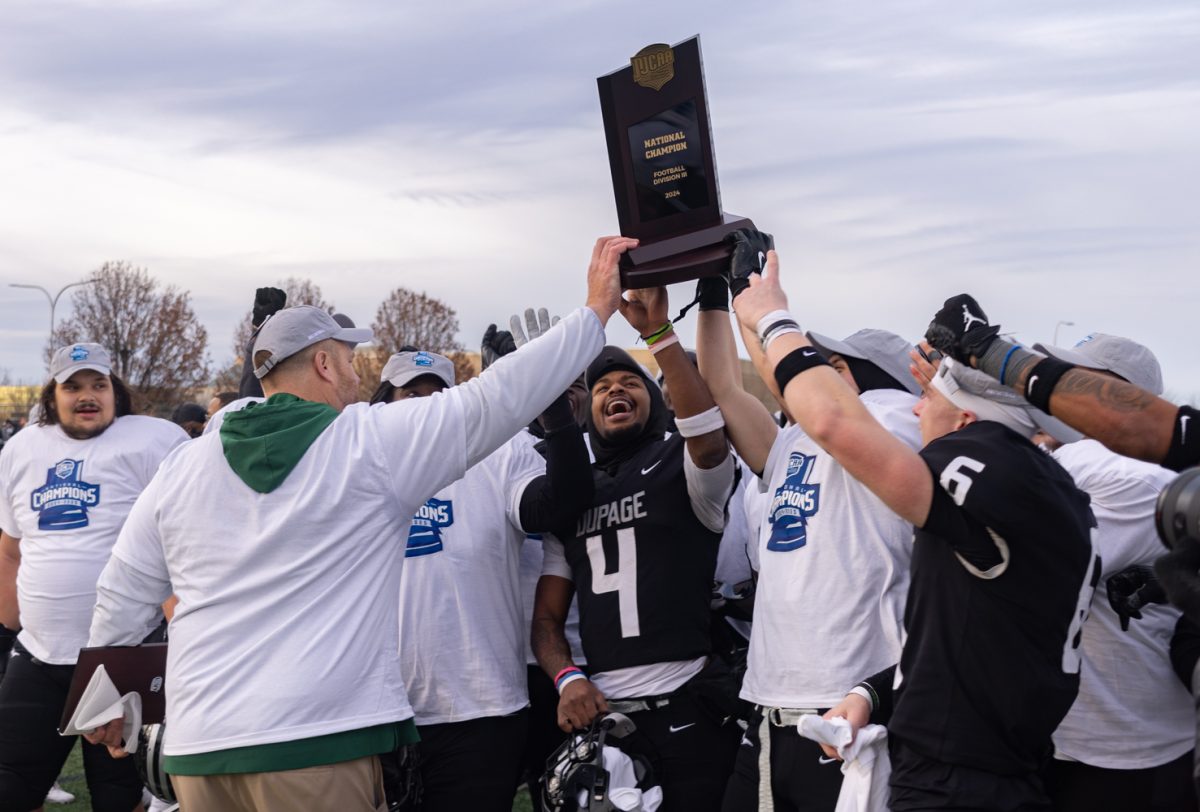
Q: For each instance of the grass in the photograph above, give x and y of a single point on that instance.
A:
(72, 781)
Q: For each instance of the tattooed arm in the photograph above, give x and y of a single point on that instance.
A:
(1127, 419)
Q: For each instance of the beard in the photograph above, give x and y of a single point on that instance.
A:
(84, 432)
(625, 434)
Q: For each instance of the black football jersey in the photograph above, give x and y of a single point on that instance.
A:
(1002, 577)
(643, 564)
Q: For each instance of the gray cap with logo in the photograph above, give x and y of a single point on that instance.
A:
(405, 367)
(74, 357)
(295, 328)
(1114, 354)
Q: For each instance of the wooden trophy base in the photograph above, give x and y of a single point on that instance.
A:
(703, 252)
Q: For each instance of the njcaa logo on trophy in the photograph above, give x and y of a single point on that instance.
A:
(653, 66)
(425, 532)
(63, 502)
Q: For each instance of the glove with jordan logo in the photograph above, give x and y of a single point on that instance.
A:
(1131, 589)
(961, 330)
(750, 249)
(495, 345)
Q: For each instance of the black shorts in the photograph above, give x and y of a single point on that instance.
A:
(32, 753)
(919, 783)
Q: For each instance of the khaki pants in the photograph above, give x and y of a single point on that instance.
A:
(348, 786)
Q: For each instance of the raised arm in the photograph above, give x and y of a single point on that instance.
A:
(830, 412)
(748, 423)
(1126, 418)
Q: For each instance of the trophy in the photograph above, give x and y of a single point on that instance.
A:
(664, 175)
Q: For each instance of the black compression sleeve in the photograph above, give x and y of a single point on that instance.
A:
(1185, 440)
(250, 385)
(556, 499)
(1185, 650)
(880, 687)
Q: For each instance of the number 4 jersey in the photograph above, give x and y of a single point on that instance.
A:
(642, 561)
(1002, 576)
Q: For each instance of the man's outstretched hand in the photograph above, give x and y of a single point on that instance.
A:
(762, 295)
(604, 277)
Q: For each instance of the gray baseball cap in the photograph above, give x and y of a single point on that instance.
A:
(989, 399)
(1114, 354)
(885, 350)
(294, 328)
(405, 367)
(74, 357)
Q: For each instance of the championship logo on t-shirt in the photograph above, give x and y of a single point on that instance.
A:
(795, 502)
(425, 533)
(63, 502)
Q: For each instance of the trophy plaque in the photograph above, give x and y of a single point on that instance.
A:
(664, 175)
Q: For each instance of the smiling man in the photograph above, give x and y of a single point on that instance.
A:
(66, 486)
(642, 558)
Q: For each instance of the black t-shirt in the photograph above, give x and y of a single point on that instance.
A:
(1002, 577)
(642, 563)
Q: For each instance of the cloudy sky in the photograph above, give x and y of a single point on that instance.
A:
(1040, 155)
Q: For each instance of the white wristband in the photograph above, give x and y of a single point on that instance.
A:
(864, 693)
(702, 423)
(663, 343)
(771, 318)
(567, 680)
(780, 331)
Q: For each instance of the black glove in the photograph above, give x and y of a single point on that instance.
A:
(1131, 589)
(495, 345)
(712, 293)
(960, 329)
(267, 302)
(750, 249)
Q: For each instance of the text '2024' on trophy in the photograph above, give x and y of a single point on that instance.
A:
(664, 174)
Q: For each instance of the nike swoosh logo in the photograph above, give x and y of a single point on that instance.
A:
(651, 468)
(673, 729)
(807, 352)
(1032, 381)
(1183, 419)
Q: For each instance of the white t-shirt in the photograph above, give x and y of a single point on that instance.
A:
(829, 608)
(462, 637)
(286, 626)
(1132, 712)
(66, 500)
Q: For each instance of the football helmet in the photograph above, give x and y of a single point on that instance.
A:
(575, 777)
(149, 762)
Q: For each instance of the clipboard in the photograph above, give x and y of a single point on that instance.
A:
(132, 668)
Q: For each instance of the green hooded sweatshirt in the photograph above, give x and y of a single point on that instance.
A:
(265, 441)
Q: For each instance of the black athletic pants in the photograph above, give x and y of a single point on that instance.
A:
(32, 753)
(1077, 787)
(473, 765)
(799, 781)
(691, 748)
(919, 784)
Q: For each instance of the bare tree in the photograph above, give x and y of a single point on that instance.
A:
(299, 292)
(408, 318)
(157, 344)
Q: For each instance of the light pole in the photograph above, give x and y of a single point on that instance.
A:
(53, 300)
(1061, 324)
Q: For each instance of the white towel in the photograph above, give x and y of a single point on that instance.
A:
(622, 785)
(100, 704)
(865, 763)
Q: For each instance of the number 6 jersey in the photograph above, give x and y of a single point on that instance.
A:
(1002, 576)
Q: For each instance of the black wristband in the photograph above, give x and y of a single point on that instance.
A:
(1184, 451)
(1042, 380)
(795, 362)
